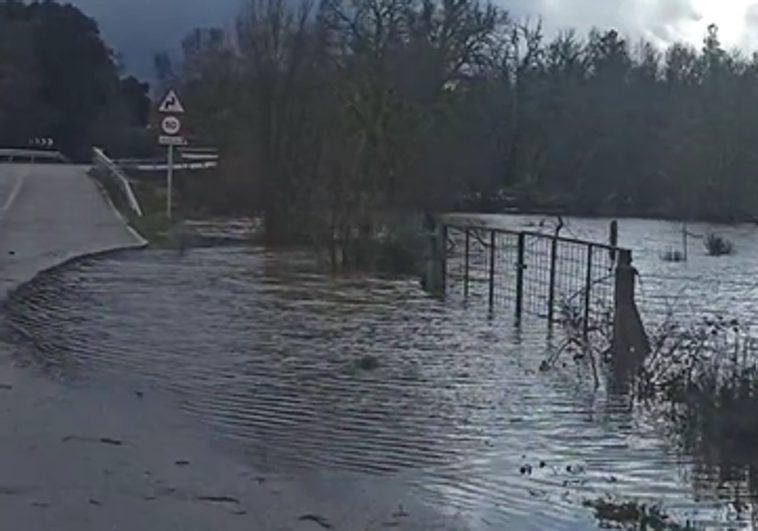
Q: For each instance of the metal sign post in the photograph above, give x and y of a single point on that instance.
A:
(171, 127)
(170, 182)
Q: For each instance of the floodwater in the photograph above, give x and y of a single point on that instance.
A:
(703, 284)
(268, 352)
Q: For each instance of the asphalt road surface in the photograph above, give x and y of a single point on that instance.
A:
(104, 458)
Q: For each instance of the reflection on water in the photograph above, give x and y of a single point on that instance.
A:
(264, 349)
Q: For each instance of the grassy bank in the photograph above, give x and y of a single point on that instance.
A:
(154, 224)
(393, 246)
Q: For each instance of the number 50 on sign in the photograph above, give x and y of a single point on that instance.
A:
(171, 125)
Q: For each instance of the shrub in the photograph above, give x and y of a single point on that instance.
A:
(701, 376)
(716, 245)
(673, 255)
(632, 516)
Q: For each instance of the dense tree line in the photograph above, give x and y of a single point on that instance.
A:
(361, 107)
(58, 79)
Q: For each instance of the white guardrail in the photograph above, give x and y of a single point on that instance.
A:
(101, 161)
(155, 166)
(32, 155)
(187, 160)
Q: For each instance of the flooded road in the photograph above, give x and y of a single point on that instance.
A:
(272, 355)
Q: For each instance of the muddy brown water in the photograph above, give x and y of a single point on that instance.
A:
(266, 350)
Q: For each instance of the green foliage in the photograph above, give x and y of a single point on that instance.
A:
(155, 227)
(364, 107)
(58, 79)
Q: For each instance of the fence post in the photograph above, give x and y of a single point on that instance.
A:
(435, 270)
(630, 344)
(443, 255)
(491, 295)
(466, 257)
(520, 276)
(623, 287)
(587, 292)
(551, 285)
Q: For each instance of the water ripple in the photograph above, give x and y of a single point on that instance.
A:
(265, 350)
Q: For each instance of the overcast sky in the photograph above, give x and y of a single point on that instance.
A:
(139, 28)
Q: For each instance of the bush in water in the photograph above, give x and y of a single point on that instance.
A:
(716, 245)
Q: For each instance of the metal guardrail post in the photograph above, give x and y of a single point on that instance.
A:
(100, 159)
(33, 155)
(551, 282)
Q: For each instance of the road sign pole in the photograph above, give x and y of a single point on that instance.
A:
(171, 127)
(169, 181)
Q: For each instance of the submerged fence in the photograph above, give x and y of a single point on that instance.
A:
(530, 273)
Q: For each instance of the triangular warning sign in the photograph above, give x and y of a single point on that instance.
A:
(171, 104)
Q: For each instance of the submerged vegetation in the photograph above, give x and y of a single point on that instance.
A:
(633, 516)
(702, 377)
(716, 245)
(673, 255)
(331, 116)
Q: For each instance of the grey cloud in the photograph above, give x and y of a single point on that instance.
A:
(749, 37)
(661, 21)
(139, 28)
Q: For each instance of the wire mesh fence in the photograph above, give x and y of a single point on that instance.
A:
(529, 274)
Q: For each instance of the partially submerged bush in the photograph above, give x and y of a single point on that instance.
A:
(387, 247)
(587, 338)
(633, 516)
(708, 373)
(701, 376)
(367, 362)
(716, 245)
(704, 374)
(673, 255)
(708, 355)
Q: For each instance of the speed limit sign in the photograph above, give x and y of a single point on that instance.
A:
(171, 125)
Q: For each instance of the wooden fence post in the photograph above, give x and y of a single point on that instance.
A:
(630, 344)
(466, 258)
(435, 267)
(442, 247)
(613, 239)
(491, 294)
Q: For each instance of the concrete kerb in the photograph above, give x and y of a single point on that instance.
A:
(68, 261)
(58, 265)
(16, 292)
